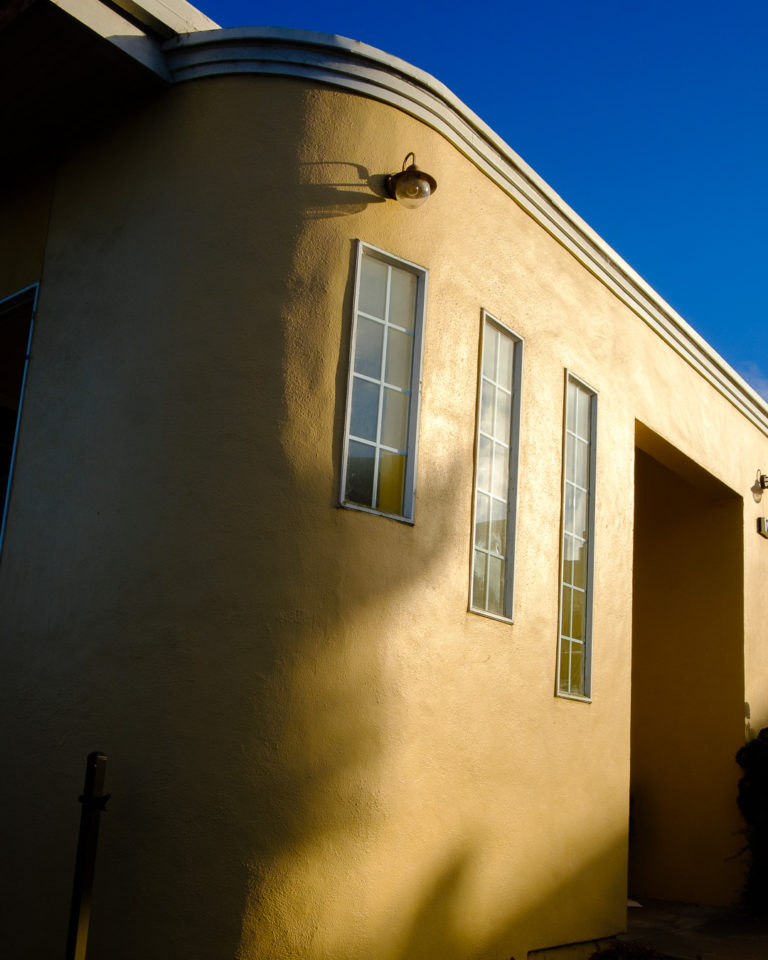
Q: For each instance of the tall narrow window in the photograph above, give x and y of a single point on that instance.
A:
(382, 403)
(574, 652)
(498, 415)
(15, 332)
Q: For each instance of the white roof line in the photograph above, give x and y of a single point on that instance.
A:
(136, 27)
(167, 17)
(363, 69)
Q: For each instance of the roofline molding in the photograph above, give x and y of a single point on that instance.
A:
(167, 17)
(136, 28)
(119, 31)
(357, 67)
(161, 18)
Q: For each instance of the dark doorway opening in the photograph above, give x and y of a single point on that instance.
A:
(687, 679)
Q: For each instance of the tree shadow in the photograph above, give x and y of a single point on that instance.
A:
(217, 626)
(449, 921)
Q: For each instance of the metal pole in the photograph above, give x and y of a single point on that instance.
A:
(94, 800)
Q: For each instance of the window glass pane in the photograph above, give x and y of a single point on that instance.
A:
(503, 415)
(368, 347)
(495, 584)
(394, 424)
(399, 346)
(484, 453)
(568, 554)
(565, 617)
(490, 350)
(573, 669)
(499, 526)
(582, 412)
(365, 409)
(495, 448)
(479, 579)
(574, 562)
(486, 407)
(482, 520)
(360, 464)
(500, 471)
(8, 417)
(14, 336)
(577, 670)
(402, 298)
(565, 666)
(506, 354)
(577, 625)
(391, 482)
(373, 287)
(579, 565)
(15, 324)
(570, 406)
(568, 508)
(570, 458)
(581, 471)
(567, 559)
(381, 384)
(580, 513)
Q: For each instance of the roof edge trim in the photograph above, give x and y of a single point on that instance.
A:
(167, 17)
(365, 70)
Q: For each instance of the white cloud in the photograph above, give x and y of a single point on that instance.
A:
(754, 377)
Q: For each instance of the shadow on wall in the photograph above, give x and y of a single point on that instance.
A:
(211, 624)
(443, 918)
(230, 669)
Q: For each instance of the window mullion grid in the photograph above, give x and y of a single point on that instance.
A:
(571, 639)
(491, 483)
(490, 494)
(485, 551)
(501, 345)
(510, 467)
(380, 413)
(566, 635)
(571, 537)
(488, 551)
(491, 379)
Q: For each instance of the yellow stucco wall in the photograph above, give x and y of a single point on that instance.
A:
(314, 749)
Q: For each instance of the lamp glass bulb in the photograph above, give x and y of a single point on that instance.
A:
(412, 190)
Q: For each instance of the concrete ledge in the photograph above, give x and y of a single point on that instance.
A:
(571, 951)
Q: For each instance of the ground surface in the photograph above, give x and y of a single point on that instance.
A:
(625, 950)
(657, 930)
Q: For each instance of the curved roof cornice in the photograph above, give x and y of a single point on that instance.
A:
(355, 66)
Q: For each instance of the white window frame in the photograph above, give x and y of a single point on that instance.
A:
(590, 560)
(29, 295)
(421, 274)
(487, 319)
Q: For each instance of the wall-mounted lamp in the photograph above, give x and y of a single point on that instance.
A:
(760, 484)
(411, 187)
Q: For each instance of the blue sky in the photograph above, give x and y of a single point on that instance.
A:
(649, 119)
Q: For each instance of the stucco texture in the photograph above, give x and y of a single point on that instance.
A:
(314, 749)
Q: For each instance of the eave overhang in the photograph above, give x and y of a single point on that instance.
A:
(361, 69)
(67, 66)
